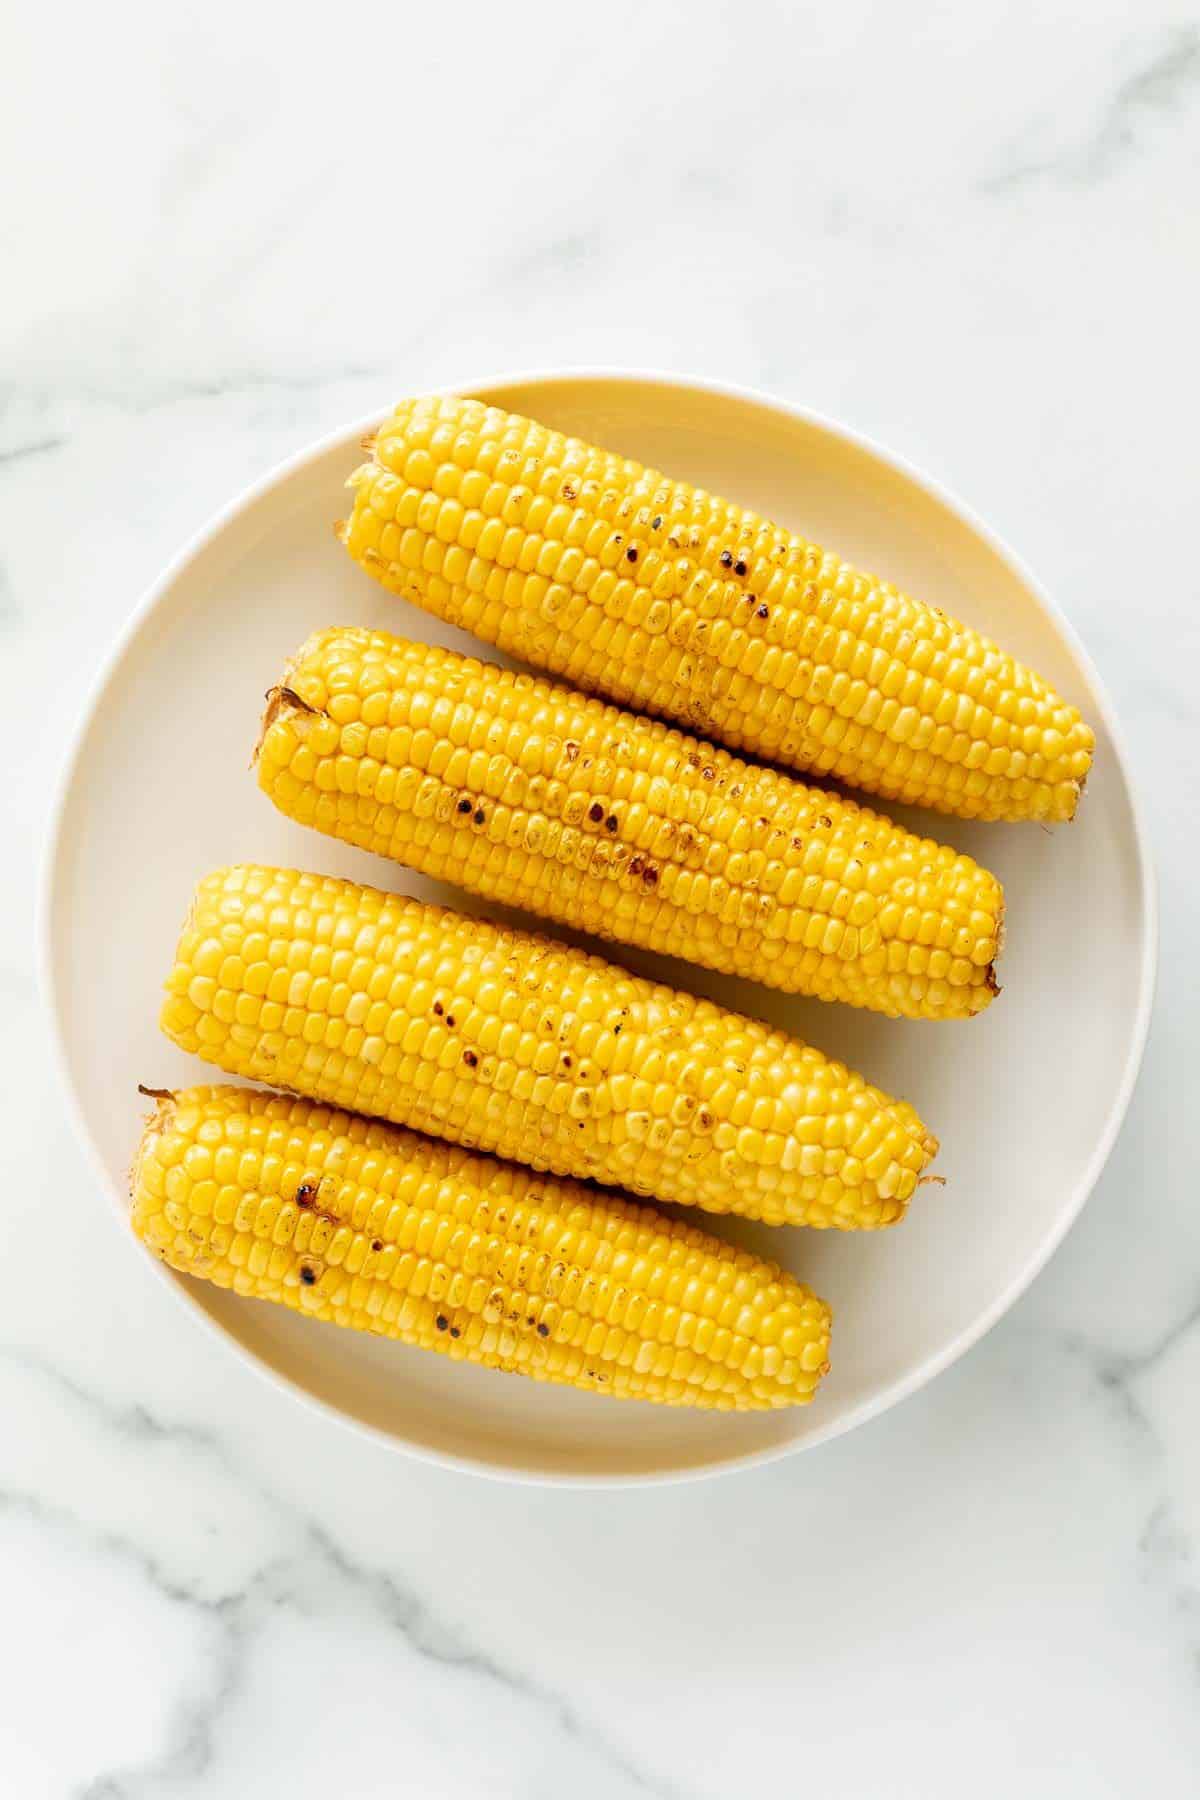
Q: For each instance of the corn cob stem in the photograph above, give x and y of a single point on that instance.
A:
(652, 592)
(353, 1222)
(534, 796)
(512, 1043)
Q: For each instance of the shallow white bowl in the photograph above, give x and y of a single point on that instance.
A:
(1027, 1099)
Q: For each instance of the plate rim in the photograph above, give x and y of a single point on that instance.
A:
(926, 1371)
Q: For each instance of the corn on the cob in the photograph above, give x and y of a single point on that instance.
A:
(653, 592)
(536, 797)
(350, 1221)
(508, 1042)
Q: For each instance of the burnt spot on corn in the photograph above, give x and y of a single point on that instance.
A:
(470, 1058)
(543, 1330)
(631, 554)
(464, 806)
(610, 824)
(763, 613)
(826, 821)
(636, 865)
(727, 559)
(566, 1060)
(450, 1020)
(650, 875)
(567, 491)
(308, 1275)
(377, 1243)
(438, 1008)
(307, 1197)
(656, 522)
(595, 812)
(570, 750)
(480, 815)
(739, 567)
(455, 1332)
(442, 1322)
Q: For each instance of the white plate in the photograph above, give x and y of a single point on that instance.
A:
(1027, 1099)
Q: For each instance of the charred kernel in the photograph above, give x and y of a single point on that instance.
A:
(455, 1331)
(470, 1058)
(442, 1322)
(306, 1193)
(451, 1021)
(739, 567)
(595, 812)
(308, 1276)
(377, 1243)
(479, 815)
(631, 554)
(763, 613)
(610, 824)
(656, 522)
(726, 559)
(543, 1330)
(438, 1008)
(464, 806)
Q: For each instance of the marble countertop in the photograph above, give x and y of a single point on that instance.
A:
(969, 231)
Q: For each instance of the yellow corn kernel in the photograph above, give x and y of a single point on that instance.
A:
(508, 1042)
(534, 796)
(655, 593)
(384, 1231)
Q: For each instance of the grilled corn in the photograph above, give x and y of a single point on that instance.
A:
(350, 1221)
(512, 1043)
(653, 592)
(536, 797)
